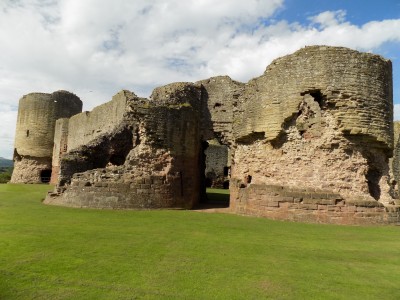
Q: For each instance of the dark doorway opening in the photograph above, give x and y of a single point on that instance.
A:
(117, 159)
(208, 182)
(45, 176)
(217, 170)
(227, 171)
(215, 176)
(226, 184)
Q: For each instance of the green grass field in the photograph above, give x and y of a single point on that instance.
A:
(49, 252)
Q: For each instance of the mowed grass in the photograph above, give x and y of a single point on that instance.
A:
(49, 252)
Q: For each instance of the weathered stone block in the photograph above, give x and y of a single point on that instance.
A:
(273, 203)
(328, 201)
(311, 201)
(286, 199)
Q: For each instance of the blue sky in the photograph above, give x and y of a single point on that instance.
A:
(95, 48)
(358, 12)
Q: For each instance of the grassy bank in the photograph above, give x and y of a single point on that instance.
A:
(49, 252)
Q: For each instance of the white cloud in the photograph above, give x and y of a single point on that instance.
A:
(8, 119)
(94, 48)
(329, 18)
(396, 112)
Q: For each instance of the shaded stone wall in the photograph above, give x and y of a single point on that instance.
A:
(221, 96)
(217, 103)
(395, 161)
(60, 147)
(150, 160)
(217, 164)
(86, 126)
(37, 115)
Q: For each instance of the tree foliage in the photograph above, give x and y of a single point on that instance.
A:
(5, 174)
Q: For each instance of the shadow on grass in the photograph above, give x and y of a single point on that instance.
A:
(216, 198)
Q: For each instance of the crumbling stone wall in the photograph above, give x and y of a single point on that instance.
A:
(37, 114)
(220, 98)
(321, 119)
(149, 160)
(218, 102)
(349, 81)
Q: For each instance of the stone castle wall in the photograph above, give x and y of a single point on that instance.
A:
(60, 147)
(149, 160)
(394, 162)
(87, 126)
(37, 115)
(221, 101)
(356, 87)
(320, 118)
(311, 205)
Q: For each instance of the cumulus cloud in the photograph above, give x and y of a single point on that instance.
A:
(94, 48)
(329, 18)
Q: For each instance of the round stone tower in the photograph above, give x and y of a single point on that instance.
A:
(33, 150)
(314, 139)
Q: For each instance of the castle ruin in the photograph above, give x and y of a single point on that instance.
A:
(309, 140)
(34, 137)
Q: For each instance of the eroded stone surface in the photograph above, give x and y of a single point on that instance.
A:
(150, 160)
(29, 169)
(317, 119)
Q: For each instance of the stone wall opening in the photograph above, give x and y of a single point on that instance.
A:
(121, 146)
(308, 120)
(248, 179)
(318, 97)
(227, 171)
(45, 176)
(208, 182)
(373, 176)
(217, 164)
(117, 159)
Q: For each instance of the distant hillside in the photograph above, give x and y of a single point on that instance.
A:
(4, 162)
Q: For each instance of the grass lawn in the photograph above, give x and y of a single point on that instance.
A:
(49, 252)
